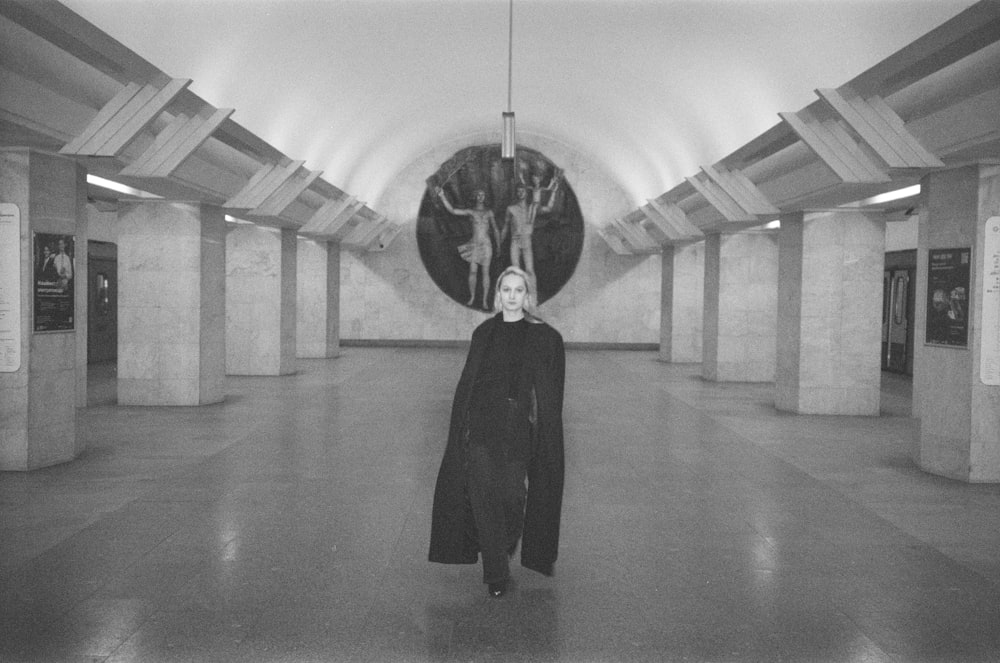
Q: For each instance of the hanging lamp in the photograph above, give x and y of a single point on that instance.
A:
(507, 140)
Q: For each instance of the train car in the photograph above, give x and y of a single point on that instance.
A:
(898, 292)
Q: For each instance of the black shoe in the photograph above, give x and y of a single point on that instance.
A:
(497, 589)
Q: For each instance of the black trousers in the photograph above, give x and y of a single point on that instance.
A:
(497, 494)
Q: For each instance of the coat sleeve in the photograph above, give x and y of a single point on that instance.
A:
(540, 543)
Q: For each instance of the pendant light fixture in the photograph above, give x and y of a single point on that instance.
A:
(507, 141)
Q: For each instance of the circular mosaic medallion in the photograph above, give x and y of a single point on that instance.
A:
(481, 214)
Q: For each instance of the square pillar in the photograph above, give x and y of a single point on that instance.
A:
(44, 323)
(829, 336)
(741, 292)
(956, 373)
(171, 303)
(260, 300)
(682, 292)
(318, 299)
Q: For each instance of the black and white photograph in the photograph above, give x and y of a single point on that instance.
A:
(499, 331)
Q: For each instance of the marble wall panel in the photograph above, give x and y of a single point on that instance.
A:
(688, 302)
(959, 415)
(741, 291)
(260, 301)
(38, 426)
(171, 283)
(311, 298)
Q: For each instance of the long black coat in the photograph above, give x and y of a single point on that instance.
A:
(542, 375)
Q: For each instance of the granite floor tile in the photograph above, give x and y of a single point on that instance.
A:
(290, 523)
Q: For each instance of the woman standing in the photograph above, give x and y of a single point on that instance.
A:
(506, 427)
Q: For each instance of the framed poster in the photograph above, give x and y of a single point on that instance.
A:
(948, 297)
(989, 350)
(53, 282)
(10, 288)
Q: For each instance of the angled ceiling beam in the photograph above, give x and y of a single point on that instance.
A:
(743, 192)
(652, 227)
(945, 45)
(108, 111)
(319, 223)
(881, 128)
(385, 237)
(69, 31)
(366, 233)
(345, 222)
(645, 233)
(633, 237)
(612, 237)
(175, 143)
(674, 221)
(123, 118)
(265, 182)
(720, 200)
(271, 183)
(830, 142)
(286, 193)
(27, 103)
(240, 200)
(664, 229)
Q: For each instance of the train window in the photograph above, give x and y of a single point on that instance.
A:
(899, 299)
(103, 302)
(886, 294)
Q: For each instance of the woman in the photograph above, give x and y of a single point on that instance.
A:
(478, 251)
(506, 426)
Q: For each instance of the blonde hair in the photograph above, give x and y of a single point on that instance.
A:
(529, 294)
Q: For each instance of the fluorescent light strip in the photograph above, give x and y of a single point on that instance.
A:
(889, 196)
(120, 188)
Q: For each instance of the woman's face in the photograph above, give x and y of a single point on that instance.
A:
(512, 293)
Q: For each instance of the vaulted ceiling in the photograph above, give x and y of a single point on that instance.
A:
(647, 90)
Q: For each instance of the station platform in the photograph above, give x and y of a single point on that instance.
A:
(290, 523)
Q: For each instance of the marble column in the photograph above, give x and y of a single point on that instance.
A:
(45, 197)
(741, 292)
(318, 299)
(260, 300)
(171, 303)
(829, 332)
(956, 372)
(682, 292)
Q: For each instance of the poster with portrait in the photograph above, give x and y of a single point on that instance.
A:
(54, 282)
(948, 297)
(481, 213)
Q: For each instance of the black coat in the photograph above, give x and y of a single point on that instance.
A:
(542, 375)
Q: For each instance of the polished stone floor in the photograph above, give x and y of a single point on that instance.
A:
(290, 524)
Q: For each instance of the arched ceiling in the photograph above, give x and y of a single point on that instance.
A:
(649, 90)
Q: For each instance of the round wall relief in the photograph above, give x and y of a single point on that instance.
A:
(481, 214)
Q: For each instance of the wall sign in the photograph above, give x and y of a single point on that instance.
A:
(948, 297)
(10, 288)
(54, 282)
(989, 358)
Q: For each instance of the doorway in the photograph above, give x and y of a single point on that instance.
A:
(102, 303)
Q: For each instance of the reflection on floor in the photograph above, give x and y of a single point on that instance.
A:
(290, 524)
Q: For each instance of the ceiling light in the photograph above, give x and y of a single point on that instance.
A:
(888, 196)
(120, 188)
(507, 141)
